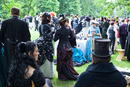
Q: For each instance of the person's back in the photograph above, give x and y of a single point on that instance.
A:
(123, 29)
(64, 52)
(111, 32)
(64, 34)
(101, 73)
(13, 31)
(16, 30)
(105, 27)
(123, 34)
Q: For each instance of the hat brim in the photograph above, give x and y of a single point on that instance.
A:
(101, 55)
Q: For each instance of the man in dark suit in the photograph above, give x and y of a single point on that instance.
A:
(101, 73)
(13, 31)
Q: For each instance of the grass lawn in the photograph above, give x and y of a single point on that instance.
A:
(58, 83)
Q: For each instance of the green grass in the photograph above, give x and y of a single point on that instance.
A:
(58, 83)
(34, 34)
(122, 64)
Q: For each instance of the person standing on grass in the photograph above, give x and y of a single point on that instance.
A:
(13, 31)
(65, 67)
(111, 32)
(46, 32)
(101, 73)
(123, 34)
(93, 33)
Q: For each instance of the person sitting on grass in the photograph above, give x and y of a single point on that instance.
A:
(101, 73)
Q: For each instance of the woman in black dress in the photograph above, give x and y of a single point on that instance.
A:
(46, 32)
(64, 52)
(25, 72)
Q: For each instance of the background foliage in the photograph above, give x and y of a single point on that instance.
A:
(95, 8)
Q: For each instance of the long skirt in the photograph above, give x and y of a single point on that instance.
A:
(47, 69)
(90, 47)
(65, 67)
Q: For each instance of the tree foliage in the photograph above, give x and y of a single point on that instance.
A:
(47, 5)
(81, 7)
(70, 7)
(88, 7)
(6, 6)
(115, 8)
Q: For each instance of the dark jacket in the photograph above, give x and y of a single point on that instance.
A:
(127, 48)
(101, 75)
(123, 30)
(15, 30)
(64, 34)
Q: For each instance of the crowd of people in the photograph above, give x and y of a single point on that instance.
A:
(26, 63)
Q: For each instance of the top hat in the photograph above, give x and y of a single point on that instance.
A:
(101, 47)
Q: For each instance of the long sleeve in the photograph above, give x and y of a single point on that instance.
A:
(56, 37)
(26, 33)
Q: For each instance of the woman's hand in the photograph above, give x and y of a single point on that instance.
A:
(93, 34)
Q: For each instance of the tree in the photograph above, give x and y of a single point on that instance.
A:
(120, 7)
(47, 5)
(27, 7)
(124, 6)
(89, 8)
(70, 7)
(6, 6)
(81, 7)
(0, 8)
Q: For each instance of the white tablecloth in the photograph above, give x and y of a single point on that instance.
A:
(81, 44)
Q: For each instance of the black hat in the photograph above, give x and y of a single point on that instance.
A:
(101, 47)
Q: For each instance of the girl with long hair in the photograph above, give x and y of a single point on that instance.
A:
(25, 72)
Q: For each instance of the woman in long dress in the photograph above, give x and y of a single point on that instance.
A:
(93, 32)
(64, 52)
(46, 32)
